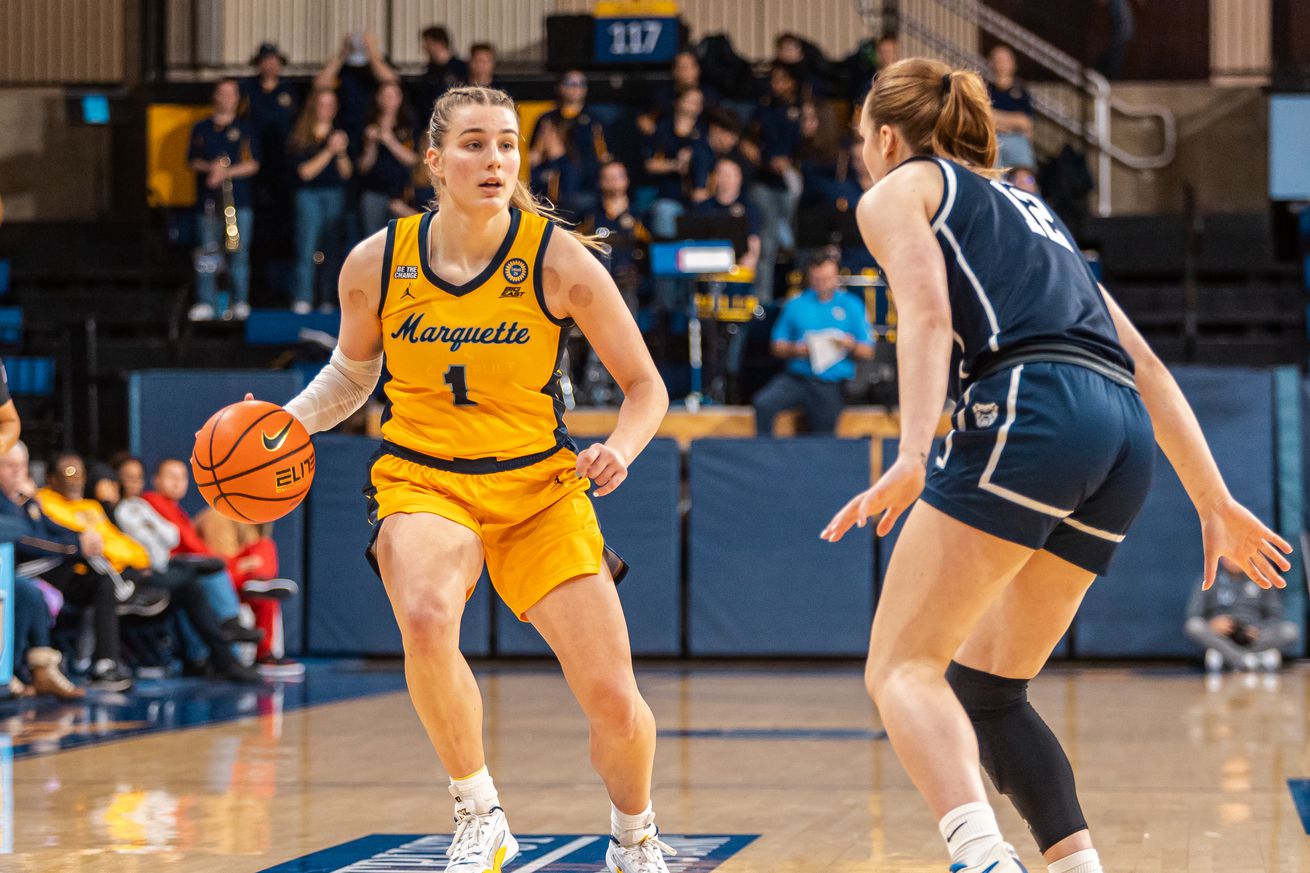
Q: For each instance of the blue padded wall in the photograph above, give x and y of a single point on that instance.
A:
(641, 522)
(1138, 608)
(167, 407)
(761, 581)
(348, 608)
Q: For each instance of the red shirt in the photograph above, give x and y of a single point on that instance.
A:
(190, 542)
(266, 551)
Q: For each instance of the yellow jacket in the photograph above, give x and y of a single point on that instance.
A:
(120, 549)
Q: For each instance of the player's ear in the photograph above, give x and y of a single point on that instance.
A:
(435, 169)
(888, 140)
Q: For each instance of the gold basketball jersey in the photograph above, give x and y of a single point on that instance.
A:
(472, 370)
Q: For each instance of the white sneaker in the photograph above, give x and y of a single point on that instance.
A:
(1214, 661)
(240, 310)
(200, 312)
(300, 307)
(1271, 660)
(646, 856)
(1001, 859)
(482, 843)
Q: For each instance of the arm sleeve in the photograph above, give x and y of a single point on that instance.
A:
(336, 392)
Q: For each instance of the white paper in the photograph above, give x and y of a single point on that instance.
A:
(826, 348)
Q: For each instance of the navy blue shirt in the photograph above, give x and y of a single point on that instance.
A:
(703, 159)
(209, 142)
(583, 137)
(735, 209)
(272, 112)
(435, 81)
(1014, 274)
(807, 313)
(666, 143)
(779, 125)
(1014, 99)
(330, 177)
(38, 536)
(356, 89)
(388, 175)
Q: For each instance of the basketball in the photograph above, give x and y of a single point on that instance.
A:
(253, 461)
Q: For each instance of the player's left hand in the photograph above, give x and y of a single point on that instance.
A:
(605, 467)
(1230, 530)
(891, 495)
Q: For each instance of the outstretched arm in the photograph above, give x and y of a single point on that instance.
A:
(577, 286)
(1227, 527)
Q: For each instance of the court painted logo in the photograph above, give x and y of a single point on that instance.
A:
(515, 271)
(553, 853)
(985, 414)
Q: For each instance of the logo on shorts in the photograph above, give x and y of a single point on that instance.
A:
(406, 272)
(515, 271)
(984, 414)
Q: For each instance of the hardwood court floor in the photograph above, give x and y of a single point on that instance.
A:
(1174, 776)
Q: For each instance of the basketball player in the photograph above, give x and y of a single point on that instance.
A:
(464, 312)
(1048, 464)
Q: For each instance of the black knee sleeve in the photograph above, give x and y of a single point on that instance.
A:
(1019, 753)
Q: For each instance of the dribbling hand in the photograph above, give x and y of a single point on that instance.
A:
(891, 495)
(605, 467)
(1230, 530)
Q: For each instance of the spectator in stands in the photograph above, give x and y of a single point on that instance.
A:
(777, 187)
(387, 162)
(865, 62)
(582, 135)
(806, 59)
(819, 334)
(272, 103)
(1240, 625)
(354, 73)
(1023, 178)
(727, 202)
(667, 154)
(722, 139)
(251, 557)
(1012, 107)
(620, 229)
(443, 72)
(10, 424)
(822, 152)
(556, 174)
(32, 649)
(482, 66)
(685, 76)
(319, 151)
(224, 152)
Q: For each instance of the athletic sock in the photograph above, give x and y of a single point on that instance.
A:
(1086, 861)
(970, 830)
(629, 830)
(475, 792)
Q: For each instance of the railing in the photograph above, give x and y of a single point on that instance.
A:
(1087, 85)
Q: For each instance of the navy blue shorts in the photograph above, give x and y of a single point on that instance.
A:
(1050, 456)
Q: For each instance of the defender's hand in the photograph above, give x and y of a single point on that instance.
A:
(1230, 530)
(605, 467)
(893, 493)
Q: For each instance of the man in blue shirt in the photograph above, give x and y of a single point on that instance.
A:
(223, 150)
(819, 334)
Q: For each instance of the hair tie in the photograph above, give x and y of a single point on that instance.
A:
(946, 84)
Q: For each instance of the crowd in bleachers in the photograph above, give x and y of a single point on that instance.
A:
(114, 580)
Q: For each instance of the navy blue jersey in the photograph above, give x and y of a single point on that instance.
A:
(1015, 275)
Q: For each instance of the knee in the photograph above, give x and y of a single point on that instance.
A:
(885, 677)
(614, 706)
(984, 695)
(429, 622)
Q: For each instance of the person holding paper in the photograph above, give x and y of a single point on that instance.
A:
(820, 333)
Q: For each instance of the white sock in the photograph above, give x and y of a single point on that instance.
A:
(631, 829)
(969, 830)
(475, 792)
(1086, 861)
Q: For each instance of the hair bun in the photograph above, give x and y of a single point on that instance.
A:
(946, 83)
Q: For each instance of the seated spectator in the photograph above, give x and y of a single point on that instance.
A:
(354, 74)
(819, 334)
(482, 65)
(777, 187)
(1012, 108)
(73, 563)
(722, 139)
(865, 62)
(443, 71)
(206, 631)
(822, 152)
(32, 649)
(621, 230)
(556, 174)
(667, 154)
(808, 61)
(727, 201)
(171, 481)
(387, 162)
(318, 150)
(685, 72)
(251, 557)
(1024, 179)
(1240, 625)
(224, 151)
(582, 135)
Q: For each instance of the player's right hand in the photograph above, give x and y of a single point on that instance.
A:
(1230, 530)
(893, 493)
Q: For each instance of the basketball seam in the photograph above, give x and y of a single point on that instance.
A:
(244, 496)
(216, 481)
(217, 422)
(237, 441)
(233, 506)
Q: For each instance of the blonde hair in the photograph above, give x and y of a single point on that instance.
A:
(938, 109)
(302, 135)
(522, 198)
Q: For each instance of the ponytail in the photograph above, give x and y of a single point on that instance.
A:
(938, 110)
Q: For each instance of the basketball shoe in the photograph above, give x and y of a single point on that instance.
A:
(482, 843)
(645, 856)
(1001, 859)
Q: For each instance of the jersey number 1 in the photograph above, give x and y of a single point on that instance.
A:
(1034, 211)
(458, 387)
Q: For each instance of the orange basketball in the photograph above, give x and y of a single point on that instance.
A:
(253, 461)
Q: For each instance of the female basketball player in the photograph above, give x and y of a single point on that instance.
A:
(463, 312)
(1048, 464)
